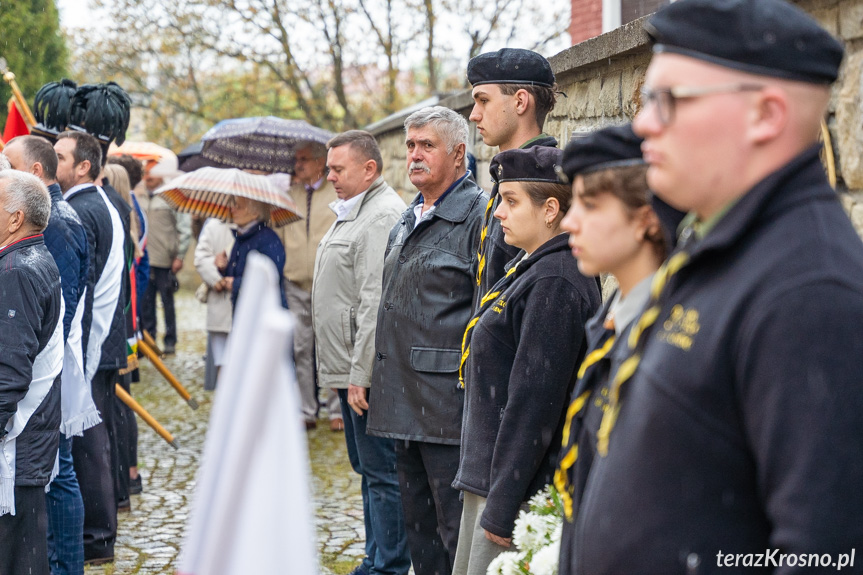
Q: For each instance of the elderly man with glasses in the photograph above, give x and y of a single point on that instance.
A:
(736, 425)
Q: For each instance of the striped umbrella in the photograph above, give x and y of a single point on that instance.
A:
(209, 192)
(140, 150)
(264, 143)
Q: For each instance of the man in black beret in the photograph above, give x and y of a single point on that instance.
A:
(736, 440)
(513, 92)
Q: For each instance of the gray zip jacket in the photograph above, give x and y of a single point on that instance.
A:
(346, 289)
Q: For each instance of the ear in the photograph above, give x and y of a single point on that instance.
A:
(646, 223)
(552, 209)
(37, 170)
(460, 154)
(16, 220)
(370, 168)
(522, 102)
(83, 168)
(768, 116)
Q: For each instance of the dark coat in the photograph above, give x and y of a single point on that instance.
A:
(95, 214)
(261, 239)
(66, 240)
(123, 320)
(497, 252)
(30, 303)
(428, 289)
(742, 428)
(524, 356)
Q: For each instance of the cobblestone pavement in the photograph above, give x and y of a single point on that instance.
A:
(149, 538)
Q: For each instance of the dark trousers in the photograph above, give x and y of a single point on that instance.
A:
(161, 281)
(126, 434)
(374, 458)
(24, 536)
(94, 455)
(431, 505)
(65, 517)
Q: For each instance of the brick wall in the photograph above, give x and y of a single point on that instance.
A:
(586, 20)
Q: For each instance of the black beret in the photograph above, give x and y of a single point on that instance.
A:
(536, 164)
(510, 66)
(607, 148)
(764, 37)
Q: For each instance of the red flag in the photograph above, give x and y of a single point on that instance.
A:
(15, 124)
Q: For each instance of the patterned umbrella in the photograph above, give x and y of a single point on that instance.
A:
(209, 192)
(140, 150)
(264, 143)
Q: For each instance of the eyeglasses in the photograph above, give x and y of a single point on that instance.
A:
(666, 99)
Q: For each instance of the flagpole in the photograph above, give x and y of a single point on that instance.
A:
(16, 91)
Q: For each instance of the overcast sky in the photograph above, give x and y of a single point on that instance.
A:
(75, 13)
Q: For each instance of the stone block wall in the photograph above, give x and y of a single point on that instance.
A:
(602, 78)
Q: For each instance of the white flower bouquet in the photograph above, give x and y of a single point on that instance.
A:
(536, 536)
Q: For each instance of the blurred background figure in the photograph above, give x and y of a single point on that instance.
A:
(216, 238)
(312, 194)
(168, 239)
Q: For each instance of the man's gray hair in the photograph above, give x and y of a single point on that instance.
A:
(449, 125)
(25, 192)
(317, 149)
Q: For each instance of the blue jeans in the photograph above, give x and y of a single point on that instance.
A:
(374, 458)
(65, 518)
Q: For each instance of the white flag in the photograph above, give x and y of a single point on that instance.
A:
(251, 511)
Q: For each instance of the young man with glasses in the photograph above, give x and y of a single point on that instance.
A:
(737, 425)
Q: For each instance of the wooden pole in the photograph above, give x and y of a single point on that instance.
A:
(143, 414)
(166, 373)
(19, 97)
(148, 339)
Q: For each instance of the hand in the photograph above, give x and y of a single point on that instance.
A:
(177, 265)
(222, 261)
(357, 398)
(502, 541)
(219, 286)
(229, 283)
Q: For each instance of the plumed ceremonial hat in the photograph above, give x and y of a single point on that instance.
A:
(101, 110)
(536, 164)
(51, 108)
(764, 37)
(613, 147)
(510, 66)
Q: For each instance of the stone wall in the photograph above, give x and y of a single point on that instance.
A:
(602, 77)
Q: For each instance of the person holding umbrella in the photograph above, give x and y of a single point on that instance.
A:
(251, 233)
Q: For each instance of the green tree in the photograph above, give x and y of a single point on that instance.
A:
(33, 46)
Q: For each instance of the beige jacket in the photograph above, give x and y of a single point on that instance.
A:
(300, 248)
(216, 237)
(168, 232)
(347, 288)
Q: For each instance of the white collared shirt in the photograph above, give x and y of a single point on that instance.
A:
(419, 215)
(343, 207)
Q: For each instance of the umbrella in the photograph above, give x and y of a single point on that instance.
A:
(140, 150)
(209, 192)
(191, 159)
(263, 143)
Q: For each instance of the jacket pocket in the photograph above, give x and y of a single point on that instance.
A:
(349, 327)
(434, 360)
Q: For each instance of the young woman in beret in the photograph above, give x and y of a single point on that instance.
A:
(520, 356)
(615, 227)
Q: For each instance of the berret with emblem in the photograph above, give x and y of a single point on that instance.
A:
(739, 426)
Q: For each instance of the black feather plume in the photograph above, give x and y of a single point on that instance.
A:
(101, 110)
(52, 104)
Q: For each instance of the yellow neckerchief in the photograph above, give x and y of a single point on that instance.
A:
(484, 303)
(636, 346)
(572, 424)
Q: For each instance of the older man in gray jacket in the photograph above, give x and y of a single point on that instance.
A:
(345, 297)
(428, 289)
